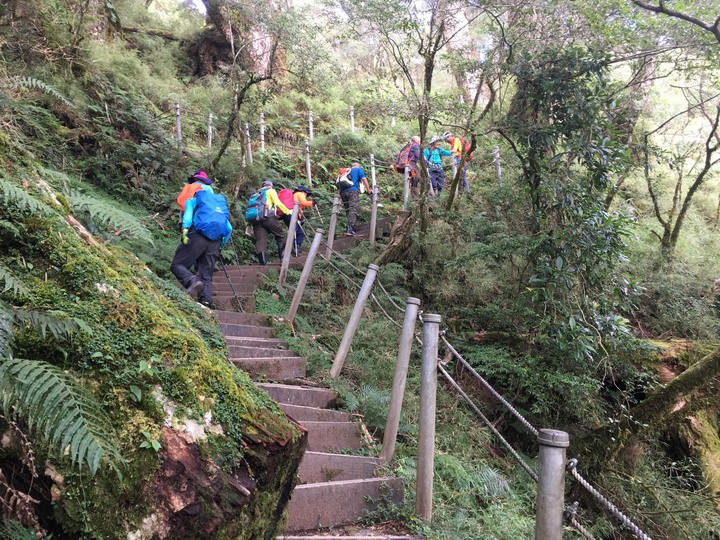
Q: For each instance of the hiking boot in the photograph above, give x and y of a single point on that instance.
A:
(207, 303)
(350, 232)
(195, 288)
(261, 258)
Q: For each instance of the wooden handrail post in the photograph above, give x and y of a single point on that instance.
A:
(307, 268)
(333, 225)
(289, 241)
(373, 213)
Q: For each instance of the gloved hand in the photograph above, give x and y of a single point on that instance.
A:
(224, 242)
(184, 236)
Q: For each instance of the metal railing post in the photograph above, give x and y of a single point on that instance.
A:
(373, 213)
(498, 170)
(178, 126)
(262, 131)
(454, 174)
(354, 321)
(412, 306)
(406, 187)
(210, 132)
(289, 242)
(249, 146)
(428, 395)
(550, 503)
(333, 224)
(352, 118)
(311, 130)
(307, 268)
(308, 170)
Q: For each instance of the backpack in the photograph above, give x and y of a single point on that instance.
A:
(343, 180)
(403, 158)
(188, 192)
(211, 215)
(256, 208)
(466, 149)
(286, 197)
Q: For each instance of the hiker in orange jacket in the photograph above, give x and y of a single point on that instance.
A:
(457, 146)
(300, 195)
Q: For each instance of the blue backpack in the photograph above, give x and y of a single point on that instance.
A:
(211, 215)
(256, 209)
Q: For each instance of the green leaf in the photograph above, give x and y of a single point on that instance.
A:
(136, 393)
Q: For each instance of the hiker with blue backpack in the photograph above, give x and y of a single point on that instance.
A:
(350, 195)
(260, 213)
(433, 157)
(206, 229)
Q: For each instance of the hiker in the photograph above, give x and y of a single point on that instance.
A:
(433, 157)
(409, 155)
(457, 146)
(350, 196)
(197, 181)
(269, 225)
(206, 229)
(300, 194)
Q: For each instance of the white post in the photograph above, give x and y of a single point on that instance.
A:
(311, 132)
(262, 131)
(354, 321)
(352, 118)
(210, 131)
(406, 187)
(498, 171)
(373, 212)
(333, 225)
(392, 121)
(549, 502)
(412, 306)
(308, 170)
(249, 147)
(289, 242)
(307, 268)
(428, 400)
(178, 127)
(454, 174)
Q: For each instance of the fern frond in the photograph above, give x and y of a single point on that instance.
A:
(110, 215)
(9, 227)
(44, 323)
(11, 529)
(12, 282)
(59, 410)
(58, 176)
(6, 334)
(12, 194)
(37, 84)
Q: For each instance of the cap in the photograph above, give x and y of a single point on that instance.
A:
(267, 183)
(201, 175)
(446, 135)
(303, 189)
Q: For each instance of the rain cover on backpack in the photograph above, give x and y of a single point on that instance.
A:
(286, 197)
(211, 215)
(256, 208)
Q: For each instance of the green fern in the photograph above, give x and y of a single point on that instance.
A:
(5, 334)
(59, 410)
(48, 323)
(12, 194)
(110, 215)
(11, 529)
(11, 282)
(36, 84)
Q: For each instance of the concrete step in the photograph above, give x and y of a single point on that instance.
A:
(329, 504)
(323, 467)
(274, 369)
(332, 436)
(263, 343)
(245, 330)
(313, 414)
(242, 288)
(238, 352)
(305, 396)
(236, 317)
(228, 303)
(366, 536)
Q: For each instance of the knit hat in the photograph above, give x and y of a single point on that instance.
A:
(267, 183)
(201, 175)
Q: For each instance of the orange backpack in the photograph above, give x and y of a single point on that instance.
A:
(188, 192)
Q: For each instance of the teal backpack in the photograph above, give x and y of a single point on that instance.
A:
(256, 208)
(211, 215)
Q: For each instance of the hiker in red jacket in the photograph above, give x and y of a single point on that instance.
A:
(458, 145)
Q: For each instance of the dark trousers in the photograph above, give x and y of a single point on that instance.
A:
(262, 229)
(299, 233)
(437, 179)
(202, 252)
(414, 179)
(351, 200)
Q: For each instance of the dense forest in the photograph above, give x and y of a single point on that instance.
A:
(578, 274)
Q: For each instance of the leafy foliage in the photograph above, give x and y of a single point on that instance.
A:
(12, 282)
(14, 195)
(58, 409)
(123, 222)
(36, 84)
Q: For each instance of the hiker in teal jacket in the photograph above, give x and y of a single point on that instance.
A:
(196, 249)
(433, 157)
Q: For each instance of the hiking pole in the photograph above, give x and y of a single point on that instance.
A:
(319, 215)
(238, 302)
(232, 243)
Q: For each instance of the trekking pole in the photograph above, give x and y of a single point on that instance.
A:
(319, 215)
(232, 243)
(238, 302)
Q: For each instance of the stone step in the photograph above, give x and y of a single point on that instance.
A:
(305, 396)
(332, 436)
(238, 352)
(242, 288)
(236, 317)
(274, 369)
(330, 504)
(229, 303)
(368, 536)
(324, 467)
(245, 330)
(263, 343)
(313, 414)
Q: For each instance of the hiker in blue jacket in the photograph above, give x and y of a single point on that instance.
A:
(350, 196)
(433, 157)
(197, 249)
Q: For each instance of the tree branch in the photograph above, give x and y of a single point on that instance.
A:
(662, 8)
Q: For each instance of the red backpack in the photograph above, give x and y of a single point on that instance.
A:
(403, 157)
(286, 197)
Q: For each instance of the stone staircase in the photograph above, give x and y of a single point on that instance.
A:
(335, 487)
